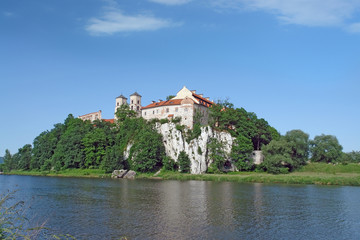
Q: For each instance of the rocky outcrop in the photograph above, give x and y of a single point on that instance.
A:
(196, 149)
(128, 174)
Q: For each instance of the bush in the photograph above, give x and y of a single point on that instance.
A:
(184, 162)
(169, 164)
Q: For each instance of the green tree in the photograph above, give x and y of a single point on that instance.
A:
(124, 112)
(184, 162)
(288, 153)
(241, 153)
(325, 148)
(147, 151)
(23, 157)
(69, 150)
(216, 153)
(95, 144)
(170, 97)
(169, 164)
(114, 159)
(8, 161)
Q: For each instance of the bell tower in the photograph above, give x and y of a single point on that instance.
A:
(135, 103)
(120, 100)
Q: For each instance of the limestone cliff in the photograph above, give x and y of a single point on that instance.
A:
(197, 149)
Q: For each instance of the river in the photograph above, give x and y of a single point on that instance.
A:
(156, 209)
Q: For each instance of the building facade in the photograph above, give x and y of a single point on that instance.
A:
(186, 105)
(91, 116)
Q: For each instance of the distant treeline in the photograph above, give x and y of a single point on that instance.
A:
(101, 145)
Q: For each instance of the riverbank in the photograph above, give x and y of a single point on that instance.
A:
(314, 173)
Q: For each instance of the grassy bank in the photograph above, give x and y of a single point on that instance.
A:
(90, 173)
(313, 173)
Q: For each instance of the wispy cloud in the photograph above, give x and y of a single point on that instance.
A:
(171, 2)
(302, 12)
(8, 14)
(114, 21)
(354, 28)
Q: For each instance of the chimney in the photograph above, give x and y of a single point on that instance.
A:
(193, 91)
(201, 95)
(160, 100)
(207, 98)
(153, 101)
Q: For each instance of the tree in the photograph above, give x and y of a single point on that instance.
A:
(114, 159)
(23, 157)
(325, 148)
(124, 112)
(169, 164)
(94, 143)
(8, 161)
(288, 153)
(217, 154)
(69, 150)
(184, 162)
(148, 150)
(170, 97)
(241, 153)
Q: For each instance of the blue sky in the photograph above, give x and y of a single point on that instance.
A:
(293, 62)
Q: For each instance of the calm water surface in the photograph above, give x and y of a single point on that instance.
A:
(154, 209)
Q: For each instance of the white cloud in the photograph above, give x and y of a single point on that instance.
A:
(354, 28)
(171, 2)
(114, 21)
(301, 12)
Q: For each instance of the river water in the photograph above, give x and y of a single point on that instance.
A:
(156, 209)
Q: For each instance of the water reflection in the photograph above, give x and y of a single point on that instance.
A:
(144, 209)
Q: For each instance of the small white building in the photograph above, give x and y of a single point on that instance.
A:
(91, 116)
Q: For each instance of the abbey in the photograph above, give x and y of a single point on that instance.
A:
(186, 105)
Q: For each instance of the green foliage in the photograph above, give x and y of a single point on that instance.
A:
(288, 153)
(23, 157)
(164, 120)
(169, 164)
(94, 143)
(2, 167)
(225, 117)
(216, 153)
(353, 157)
(9, 164)
(124, 112)
(180, 128)
(176, 120)
(170, 97)
(241, 153)
(148, 151)
(325, 148)
(184, 162)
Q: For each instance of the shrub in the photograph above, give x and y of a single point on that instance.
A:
(184, 162)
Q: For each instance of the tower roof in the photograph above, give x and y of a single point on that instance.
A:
(135, 94)
(121, 96)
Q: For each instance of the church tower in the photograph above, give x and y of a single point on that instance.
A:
(135, 103)
(120, 100)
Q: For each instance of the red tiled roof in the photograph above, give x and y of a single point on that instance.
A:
(109, 120)
(203, 99)
(164, 103)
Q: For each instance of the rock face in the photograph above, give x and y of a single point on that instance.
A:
(196, 149)
(128, 174)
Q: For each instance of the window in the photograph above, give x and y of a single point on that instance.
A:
(132, 101)
(132, 108)
(185, 109)
(138, 108)
(167, 110)
(157, 111)
(138, 102)
(176, 109)
(117, 104)
(153, 112)
(145, 113)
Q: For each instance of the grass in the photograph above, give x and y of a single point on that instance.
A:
(313, 173)
(90, 173)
